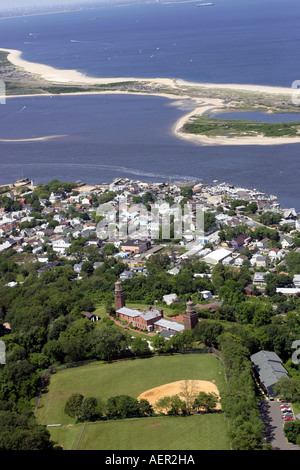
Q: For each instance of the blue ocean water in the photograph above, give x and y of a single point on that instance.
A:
(235, 41)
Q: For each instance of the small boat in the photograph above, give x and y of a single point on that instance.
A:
(209, 4)
(23, 179)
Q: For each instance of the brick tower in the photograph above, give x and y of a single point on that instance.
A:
(190, 316)
(119, 296)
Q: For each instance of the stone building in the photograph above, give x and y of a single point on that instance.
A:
(190, 317)
(119, 296)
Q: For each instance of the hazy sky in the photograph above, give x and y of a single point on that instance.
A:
(8, 4)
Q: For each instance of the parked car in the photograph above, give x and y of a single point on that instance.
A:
(288, 418)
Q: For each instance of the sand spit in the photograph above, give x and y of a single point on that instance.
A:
(199, 105)
(35, 139)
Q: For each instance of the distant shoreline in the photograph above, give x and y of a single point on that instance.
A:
(177, 90)
(74, 77)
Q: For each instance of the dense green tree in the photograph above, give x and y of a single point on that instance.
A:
(180, 341)
(186, 192)
(139, 347)
(171, 405)
(53, 351)
(145, 407)
(288, 389)
(109, 249)
(292, 431)
(251, 208)
(122, 406)
(208, 332)
(73, 405)
(292, 261)
(108, 342)
(24, 436)
(158, 343)
(270, 218)
(206, 401)
(89, 409)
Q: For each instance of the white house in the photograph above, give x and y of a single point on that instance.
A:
(61, 245)
(259, 261)
(212, 238)
(259, 278)
(59, 229)
(174, 271)
(207, 295)
(288, 290)
(296, 280)
(5, 246)
(286, 242)
(77, 267)
(12, 284)
(195, 250)
(170, 298)
(276, 255)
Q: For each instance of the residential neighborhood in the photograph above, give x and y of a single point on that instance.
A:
(49, 227)
(133, 269)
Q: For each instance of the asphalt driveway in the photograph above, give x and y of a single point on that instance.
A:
(271, 414)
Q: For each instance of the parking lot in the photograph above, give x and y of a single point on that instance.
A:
(274, 418)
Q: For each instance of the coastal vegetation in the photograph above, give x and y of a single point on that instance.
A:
(214, 127)
(19, 81)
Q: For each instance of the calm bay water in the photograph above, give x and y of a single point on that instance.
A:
(258, 116)
(115, 135)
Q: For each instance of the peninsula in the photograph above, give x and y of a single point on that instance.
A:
(24, 78)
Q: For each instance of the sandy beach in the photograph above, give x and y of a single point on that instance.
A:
(216, 106)
(200, 105)
(73, 77)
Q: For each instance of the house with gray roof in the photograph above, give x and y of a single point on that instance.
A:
(164, 324)
(269, 369)
(141, 320)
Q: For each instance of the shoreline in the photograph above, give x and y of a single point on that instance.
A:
(74, 77)
(187, 90)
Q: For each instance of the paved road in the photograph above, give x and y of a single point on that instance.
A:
(271, 414)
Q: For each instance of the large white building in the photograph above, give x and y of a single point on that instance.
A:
(217, 256)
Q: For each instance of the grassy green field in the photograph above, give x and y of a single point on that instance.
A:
(214, 127)
(132, 377)
(197, 432)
